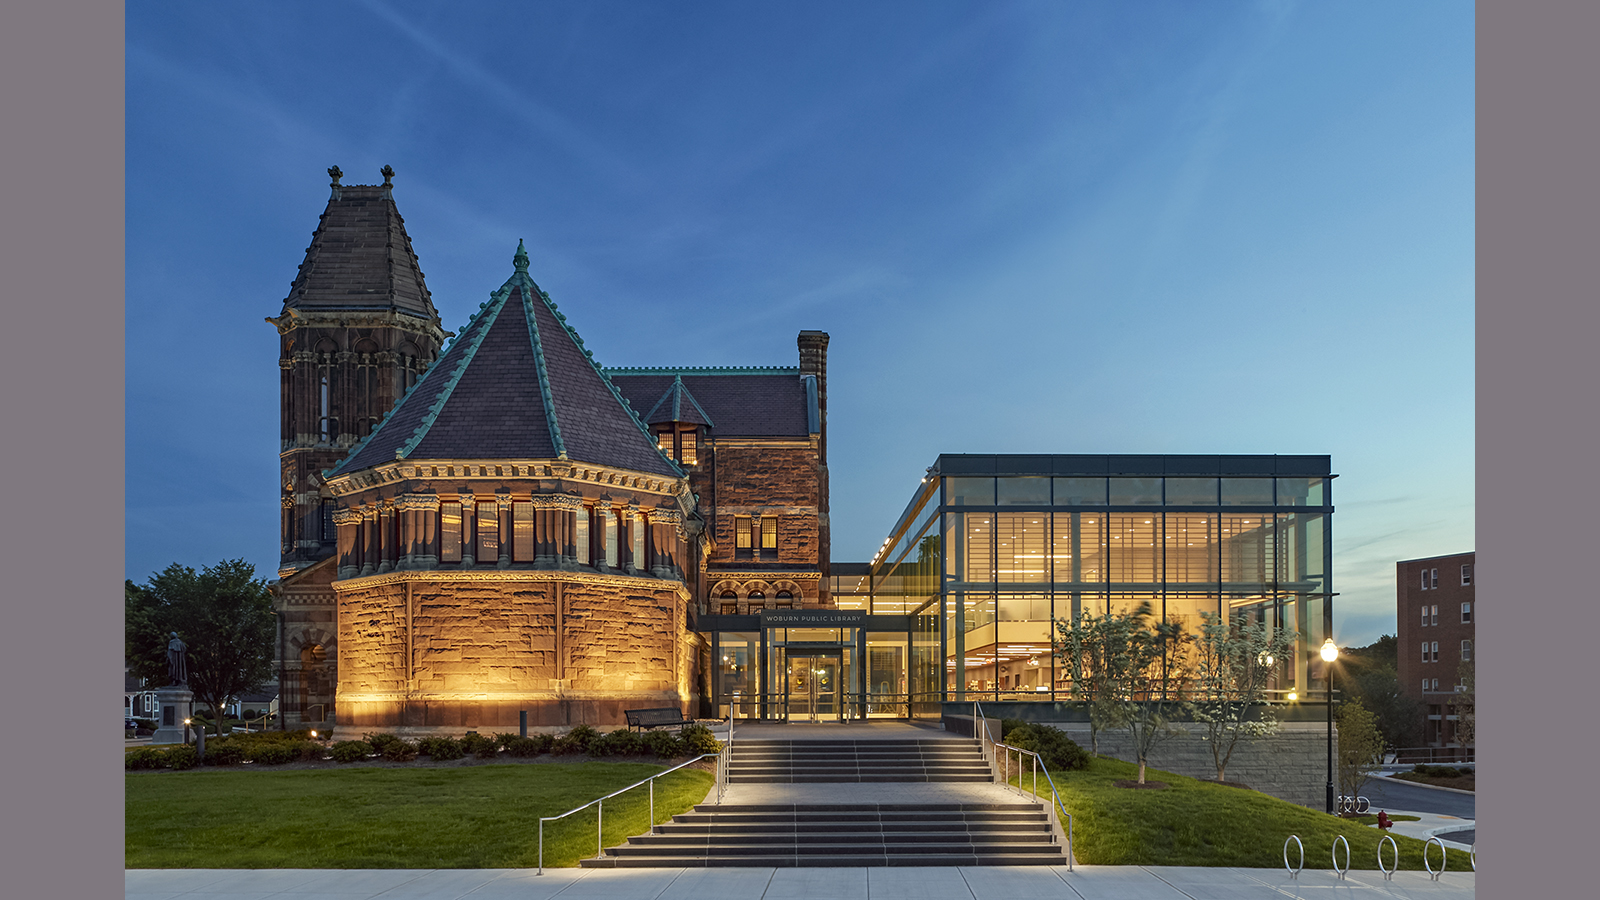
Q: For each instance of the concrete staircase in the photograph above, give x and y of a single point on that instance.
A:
(936, 832)
(797, 762)
(865, 834)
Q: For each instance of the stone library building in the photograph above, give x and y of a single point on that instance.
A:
(484, 523)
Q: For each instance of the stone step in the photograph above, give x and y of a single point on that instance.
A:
(859, 779)
(774, 821)
(702, 838)
(851, 861)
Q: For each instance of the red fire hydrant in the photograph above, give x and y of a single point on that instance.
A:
(1384, 822)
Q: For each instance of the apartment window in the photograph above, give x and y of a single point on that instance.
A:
(1424, 616)
(1435, 654)
(769, 535)
(1435, 684)
(1424, 651)
(1466, 613)
(1433, 579)
(741, 536)
(1435, 618)
(1424, 579)
(1466, 575)
(1466, 651)
(1424, 684)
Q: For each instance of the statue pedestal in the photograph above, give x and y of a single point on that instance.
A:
(173, 705)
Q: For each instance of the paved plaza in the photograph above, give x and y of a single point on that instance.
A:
(895, 883)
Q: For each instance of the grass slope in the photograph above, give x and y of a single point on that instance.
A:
(1196, 823)
(375, 818)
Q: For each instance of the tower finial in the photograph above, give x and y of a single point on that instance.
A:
(335, 174)
(388, 175)
(520, 260)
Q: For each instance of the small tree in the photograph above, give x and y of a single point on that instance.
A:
(1154, 676)
(1234, 662)
(1094, 648)
(222, 613)
(1360, 747)
(1466, 703)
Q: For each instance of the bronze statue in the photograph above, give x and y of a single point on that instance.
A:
(177, 663)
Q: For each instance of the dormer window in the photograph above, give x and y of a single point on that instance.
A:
(680, 445)
(686, 448)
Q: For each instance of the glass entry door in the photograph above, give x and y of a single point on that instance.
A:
(812, 688)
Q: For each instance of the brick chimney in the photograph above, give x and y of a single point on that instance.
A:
(814, 361)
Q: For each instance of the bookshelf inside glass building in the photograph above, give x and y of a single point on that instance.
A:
(993, 549)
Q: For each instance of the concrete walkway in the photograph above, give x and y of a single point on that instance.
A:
(934, 883)
(1432, 825)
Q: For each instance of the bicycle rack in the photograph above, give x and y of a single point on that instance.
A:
(1444, 857)
(1474, 856)
(1337, 840)
(1294, 871)
(1388, 874)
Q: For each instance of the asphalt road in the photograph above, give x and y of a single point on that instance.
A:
(1387, 794)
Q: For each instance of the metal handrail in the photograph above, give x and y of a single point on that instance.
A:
(981, 725)
(600, 810)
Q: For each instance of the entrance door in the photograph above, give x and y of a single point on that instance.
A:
(813, 688)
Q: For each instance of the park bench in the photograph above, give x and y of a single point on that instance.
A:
(656, 718)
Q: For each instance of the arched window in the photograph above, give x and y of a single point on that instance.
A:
(730, 603)
(324, 422)
(785, 598)
(757, 597)
(313, 654)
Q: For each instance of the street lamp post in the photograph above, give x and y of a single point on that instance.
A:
(1330, 652)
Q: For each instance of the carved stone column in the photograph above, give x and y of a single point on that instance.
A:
(428, 542)
(348, 522)
(386, 536)
(670, 523)
(369, 539)
(502, 503)
(469, 530)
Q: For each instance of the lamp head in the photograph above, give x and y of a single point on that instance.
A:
(1330, 651)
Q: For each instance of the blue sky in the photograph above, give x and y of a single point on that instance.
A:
(1028, 227)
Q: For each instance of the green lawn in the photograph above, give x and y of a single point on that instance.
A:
(1194, 823)
(374, 818)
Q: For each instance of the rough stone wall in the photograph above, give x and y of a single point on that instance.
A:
(1290, 765)
(307, 606)
(481, 652)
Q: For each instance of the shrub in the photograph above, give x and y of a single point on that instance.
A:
(398, 751)
(145, 758)
(182, 756)
(479, 746)
(1058, 752)
(224, 753)
(697, 739)
(523, 746)
(350, 751)
(578, 740)
(441, 748)
(664, 744)
(275, 753)
(381, 741)
(621, 742)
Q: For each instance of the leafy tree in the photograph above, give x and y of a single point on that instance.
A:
(1094, 650)
(1466, 703)
(1130, 670)
(1360, 747)
(1369, 674)
(1234, 662)
(223, 613)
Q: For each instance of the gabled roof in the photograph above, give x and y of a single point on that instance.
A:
(515, 384)
(677, 405)
(767, 401)
(360, 257)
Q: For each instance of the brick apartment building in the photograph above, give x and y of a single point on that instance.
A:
(1437, 632)
(499, 524)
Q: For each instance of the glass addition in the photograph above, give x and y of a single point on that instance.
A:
(969, 491)
(1191, 492)
(1080, 492)
(1300, 492)
(1135, 491)
(1022, 491)
(1247, 492)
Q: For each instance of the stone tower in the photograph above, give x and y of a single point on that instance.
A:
(357, 330)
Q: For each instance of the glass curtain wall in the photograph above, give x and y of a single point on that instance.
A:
(1011, 554)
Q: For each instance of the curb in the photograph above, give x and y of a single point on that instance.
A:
(1431, 787)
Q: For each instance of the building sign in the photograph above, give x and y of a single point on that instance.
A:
(813, 618)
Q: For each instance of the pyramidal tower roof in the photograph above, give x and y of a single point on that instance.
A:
(360, 256)
(516, 383)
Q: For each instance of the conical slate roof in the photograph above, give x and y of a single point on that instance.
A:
(360, 257)
(677, 405)
(515, 384)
